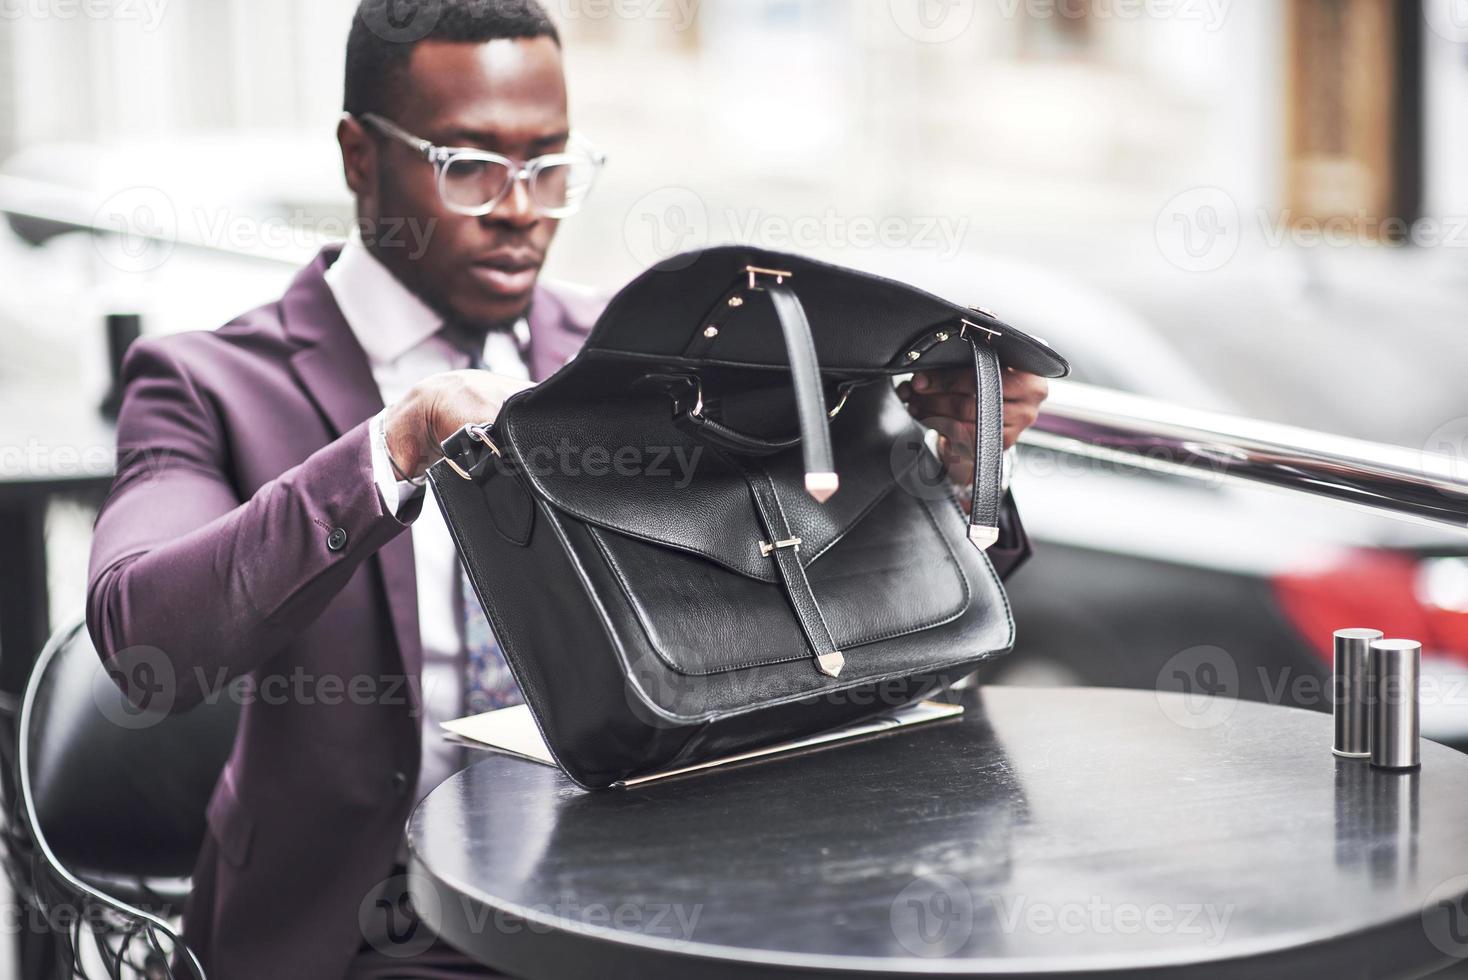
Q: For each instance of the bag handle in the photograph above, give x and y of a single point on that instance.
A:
(814, 439)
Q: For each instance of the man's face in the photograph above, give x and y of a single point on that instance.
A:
(507, 96)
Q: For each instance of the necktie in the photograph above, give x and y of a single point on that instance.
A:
(488, 683)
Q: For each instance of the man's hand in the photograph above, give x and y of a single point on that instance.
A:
(436, 408)
(944, 401)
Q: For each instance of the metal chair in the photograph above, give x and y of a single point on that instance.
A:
(107, 813)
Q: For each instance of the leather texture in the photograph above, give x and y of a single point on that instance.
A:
(675, 600)
(988, 449)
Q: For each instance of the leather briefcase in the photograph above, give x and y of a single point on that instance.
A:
(717, 527)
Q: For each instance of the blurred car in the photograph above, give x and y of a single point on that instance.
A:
(1154, 580)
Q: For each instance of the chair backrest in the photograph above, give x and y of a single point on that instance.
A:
(118, 792)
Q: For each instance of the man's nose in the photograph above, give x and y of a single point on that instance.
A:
(516, 209)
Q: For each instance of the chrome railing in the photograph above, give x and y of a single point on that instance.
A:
(1078, 419)
(1099, 423)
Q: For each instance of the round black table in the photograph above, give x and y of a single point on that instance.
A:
(1047, 832)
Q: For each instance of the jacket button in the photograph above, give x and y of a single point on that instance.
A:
(337, 539)
(400, 783)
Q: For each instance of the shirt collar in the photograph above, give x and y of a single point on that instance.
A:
(387, 317)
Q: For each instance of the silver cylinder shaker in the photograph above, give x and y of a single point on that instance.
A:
(1394, 667)
(1351, 694)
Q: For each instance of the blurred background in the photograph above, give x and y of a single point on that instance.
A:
(1257, 207)
(1254, 207)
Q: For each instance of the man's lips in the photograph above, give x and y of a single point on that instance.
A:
(507, 274)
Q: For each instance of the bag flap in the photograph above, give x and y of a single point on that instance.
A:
(620, 463)
(861, 323)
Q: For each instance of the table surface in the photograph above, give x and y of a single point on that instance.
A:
(1046, 832)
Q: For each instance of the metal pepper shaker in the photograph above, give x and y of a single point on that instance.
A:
(1351, 693)
(1395, 666)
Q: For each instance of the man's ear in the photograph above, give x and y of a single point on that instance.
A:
(359, 156)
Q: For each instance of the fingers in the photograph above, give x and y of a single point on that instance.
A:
(941, 380)
(1020, 386)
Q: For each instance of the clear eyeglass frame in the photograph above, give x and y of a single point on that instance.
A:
(579, 152)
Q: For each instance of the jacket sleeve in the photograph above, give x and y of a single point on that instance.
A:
(185, 574)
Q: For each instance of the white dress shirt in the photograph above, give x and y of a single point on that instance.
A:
(401, 335)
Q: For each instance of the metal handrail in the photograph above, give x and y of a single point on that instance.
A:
(1078, 419)
(1414, 485)
(63, 209)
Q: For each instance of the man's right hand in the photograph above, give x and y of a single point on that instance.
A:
(437, 407)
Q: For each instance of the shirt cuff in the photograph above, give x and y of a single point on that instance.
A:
(395, 493)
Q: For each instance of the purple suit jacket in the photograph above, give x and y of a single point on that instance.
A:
(244, 536)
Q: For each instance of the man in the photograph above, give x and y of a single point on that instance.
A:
(255, 528)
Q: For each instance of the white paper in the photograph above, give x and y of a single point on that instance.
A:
(513, 731)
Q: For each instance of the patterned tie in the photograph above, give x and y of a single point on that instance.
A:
(488, 683)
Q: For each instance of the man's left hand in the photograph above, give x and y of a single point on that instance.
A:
(944, 400)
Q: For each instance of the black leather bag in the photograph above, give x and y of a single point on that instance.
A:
(718, 528)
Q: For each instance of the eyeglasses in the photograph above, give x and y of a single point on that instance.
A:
(474, 182)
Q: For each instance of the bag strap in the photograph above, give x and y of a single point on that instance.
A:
(983, 520)
(821, 480)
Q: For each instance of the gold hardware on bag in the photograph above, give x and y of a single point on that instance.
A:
(831, 663)
(754, 271)
(766, 549)
(478, 433)
(989, 331)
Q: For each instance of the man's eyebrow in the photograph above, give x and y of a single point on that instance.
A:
(489, 139)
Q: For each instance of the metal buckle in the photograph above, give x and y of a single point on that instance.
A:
(478, 433)
(696, 411)
(755, 271)
(990, 332)
(766, 549)
(846, 388)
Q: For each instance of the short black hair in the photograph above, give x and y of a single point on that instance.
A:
(384, 33)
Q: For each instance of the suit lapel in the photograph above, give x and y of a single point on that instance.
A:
(335, 373)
